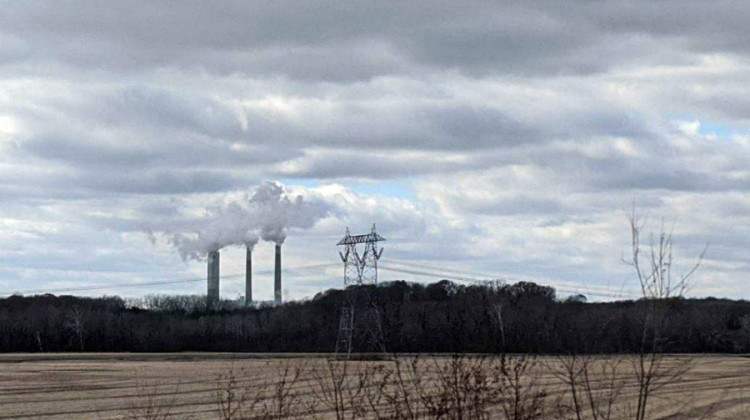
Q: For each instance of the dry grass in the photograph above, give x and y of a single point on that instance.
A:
(242, 386)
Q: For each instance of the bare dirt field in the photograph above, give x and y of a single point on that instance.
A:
(199, 386)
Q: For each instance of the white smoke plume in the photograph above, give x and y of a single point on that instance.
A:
(267, 214)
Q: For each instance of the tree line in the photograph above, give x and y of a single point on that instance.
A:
(441, 317)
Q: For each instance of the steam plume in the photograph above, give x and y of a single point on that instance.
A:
(267, 214)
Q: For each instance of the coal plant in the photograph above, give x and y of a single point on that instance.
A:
(248, 276)
(277, 276)
(213, 277)
(267, 215)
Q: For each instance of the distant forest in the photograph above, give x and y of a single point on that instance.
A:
(440, 317)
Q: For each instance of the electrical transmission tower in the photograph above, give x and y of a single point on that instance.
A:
(360, 269)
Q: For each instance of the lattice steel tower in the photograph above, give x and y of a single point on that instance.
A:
(360, 269)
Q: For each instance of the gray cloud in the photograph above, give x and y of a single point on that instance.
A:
(478, 37)
(529, 127)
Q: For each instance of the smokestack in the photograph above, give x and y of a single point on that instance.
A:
(249, 276)
(213, 278)
(277, 276)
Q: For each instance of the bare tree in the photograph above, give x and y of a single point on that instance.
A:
(39, 341)
(653, 267)
(76, 322)
(498, 312)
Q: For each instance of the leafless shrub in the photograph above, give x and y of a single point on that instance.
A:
(593, 383)
(522, 397)
(149, 403)
(329, 383)
(233, 400)
(259, 401)
(464, 390)
(339, 390)
(464, 387)
(396, 391)
(283, 395)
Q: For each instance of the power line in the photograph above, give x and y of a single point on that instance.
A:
(110, 286)
(441, 274)
(431, 274)
(436, 273)
(151, 283)
(300, 268)
(442, 269)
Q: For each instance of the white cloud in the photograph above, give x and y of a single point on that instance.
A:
(524, 129)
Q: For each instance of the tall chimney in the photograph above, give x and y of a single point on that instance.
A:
(249, 277)
(277, 276)
(213, 278)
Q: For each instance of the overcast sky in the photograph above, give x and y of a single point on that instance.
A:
(496, 139)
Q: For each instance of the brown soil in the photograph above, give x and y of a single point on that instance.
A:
(107, 386)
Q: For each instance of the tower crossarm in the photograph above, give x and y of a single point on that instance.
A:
(361, 239)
